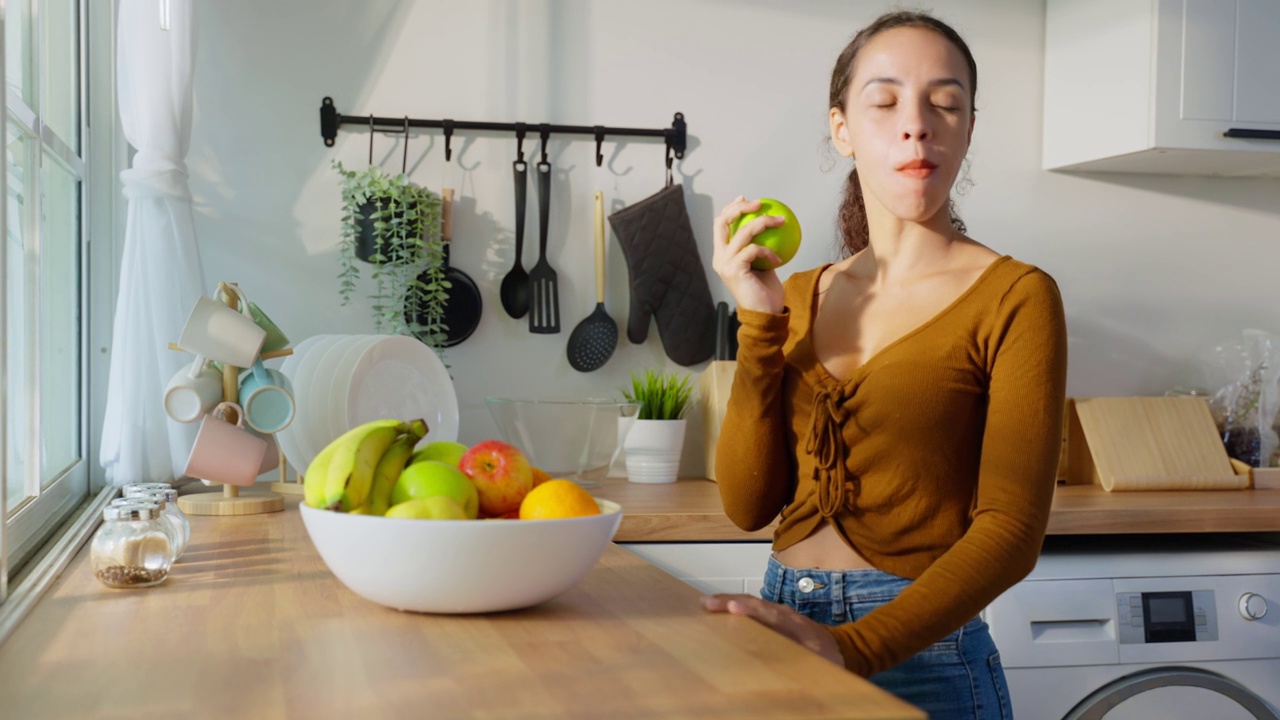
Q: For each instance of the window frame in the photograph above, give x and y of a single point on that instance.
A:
(38, 541)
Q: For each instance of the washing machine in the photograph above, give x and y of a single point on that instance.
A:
(1144, 628)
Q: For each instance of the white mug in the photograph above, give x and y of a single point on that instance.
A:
(193, 391)
(219, 333)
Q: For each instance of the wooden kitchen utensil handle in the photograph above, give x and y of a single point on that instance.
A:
(446, 212)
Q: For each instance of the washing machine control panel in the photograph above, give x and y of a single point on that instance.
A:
(1168, 616)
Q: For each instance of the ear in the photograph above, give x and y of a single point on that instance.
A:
(840, 133)
(973, 118)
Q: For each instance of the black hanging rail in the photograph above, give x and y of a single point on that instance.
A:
(675, 137)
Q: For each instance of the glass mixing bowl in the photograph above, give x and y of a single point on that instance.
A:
(574, 439)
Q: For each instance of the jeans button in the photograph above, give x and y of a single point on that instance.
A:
(805, 585)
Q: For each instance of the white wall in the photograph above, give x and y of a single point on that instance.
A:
(1152, 269)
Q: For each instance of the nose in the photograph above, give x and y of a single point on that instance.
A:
(915, 123)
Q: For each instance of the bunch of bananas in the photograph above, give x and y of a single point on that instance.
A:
(356, 472)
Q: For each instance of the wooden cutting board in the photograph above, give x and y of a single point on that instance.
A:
(1147, 443)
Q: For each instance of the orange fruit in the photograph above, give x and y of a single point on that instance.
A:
(539, 476)
(558, 498)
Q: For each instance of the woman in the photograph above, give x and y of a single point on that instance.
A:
(900, 409)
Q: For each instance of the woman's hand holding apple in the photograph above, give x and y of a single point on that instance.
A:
(758, 290)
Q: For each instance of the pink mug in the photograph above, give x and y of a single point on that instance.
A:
(225, 452)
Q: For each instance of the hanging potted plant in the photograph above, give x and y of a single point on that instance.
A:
(656, 439)
(394, 225)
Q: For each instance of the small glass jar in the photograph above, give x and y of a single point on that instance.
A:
(168, 525)
(131, 549)
(169, 509)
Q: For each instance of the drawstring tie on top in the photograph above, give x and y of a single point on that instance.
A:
(826, 445)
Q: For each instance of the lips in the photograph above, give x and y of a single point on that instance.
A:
(917, 168)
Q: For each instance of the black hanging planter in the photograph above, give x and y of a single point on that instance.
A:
(368, 245)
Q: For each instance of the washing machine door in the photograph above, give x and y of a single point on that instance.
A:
(1172, 692)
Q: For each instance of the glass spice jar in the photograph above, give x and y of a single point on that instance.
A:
(169, 511)
(169, 527)
(131, 549)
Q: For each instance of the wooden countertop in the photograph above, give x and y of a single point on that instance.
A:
(252, 624)
(689, 510)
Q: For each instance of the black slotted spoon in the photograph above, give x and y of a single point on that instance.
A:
(544, 293)
(595, 338)
(514, 291)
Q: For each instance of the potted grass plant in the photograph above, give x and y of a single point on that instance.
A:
(394, 225)
(656, 439)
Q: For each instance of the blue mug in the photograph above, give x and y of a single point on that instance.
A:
(267, 399)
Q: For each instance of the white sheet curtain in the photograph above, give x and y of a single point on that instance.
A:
(161, 275)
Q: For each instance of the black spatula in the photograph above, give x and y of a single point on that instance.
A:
(593, 341)
(544, 295)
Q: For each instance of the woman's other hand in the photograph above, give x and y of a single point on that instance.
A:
(731, 258)
(780, 618)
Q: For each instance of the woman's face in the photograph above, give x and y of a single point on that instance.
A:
(907, 120)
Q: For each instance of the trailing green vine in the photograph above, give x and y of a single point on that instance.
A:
(405, 221)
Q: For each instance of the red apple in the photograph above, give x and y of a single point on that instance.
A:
(783, 240)
(501, 473)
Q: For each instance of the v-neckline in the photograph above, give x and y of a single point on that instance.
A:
(826, 373)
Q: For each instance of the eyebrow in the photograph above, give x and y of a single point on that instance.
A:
(940, 82)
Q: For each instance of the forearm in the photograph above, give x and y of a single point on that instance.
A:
(752, 460)
(990, 558)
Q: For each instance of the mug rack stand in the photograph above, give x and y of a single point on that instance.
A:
(233, 500)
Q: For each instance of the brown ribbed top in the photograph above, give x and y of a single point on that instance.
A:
(935, 460)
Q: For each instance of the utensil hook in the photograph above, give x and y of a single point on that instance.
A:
(599, 141)
(404, 163)
(667, 141)
(520, 130)
(545, 131)
(448, 139)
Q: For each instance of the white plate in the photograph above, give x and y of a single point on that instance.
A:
(307, 406)
(322, 425)
(288, 437)
(399, 377)
(340, 381)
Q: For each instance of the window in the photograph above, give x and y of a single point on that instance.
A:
(45, 407)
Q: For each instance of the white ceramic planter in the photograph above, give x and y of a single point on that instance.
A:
(653, 450)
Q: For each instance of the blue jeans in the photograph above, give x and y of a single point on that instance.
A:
(958, 677)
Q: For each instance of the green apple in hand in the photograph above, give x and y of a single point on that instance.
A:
(783, 240)
(445, 451)
(432, 478)
(436, 507)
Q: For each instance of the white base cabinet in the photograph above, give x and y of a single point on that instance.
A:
(712, 567)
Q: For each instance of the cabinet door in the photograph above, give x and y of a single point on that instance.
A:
(1257, 58)
(1215, 70)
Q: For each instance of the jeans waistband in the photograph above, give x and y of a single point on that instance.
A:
(790, 585)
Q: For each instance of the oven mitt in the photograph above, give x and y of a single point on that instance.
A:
(666, 276)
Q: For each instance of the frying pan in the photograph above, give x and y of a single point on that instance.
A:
(462, 305)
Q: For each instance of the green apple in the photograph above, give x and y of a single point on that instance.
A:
(783, 240)
(436, 507)
(445, 451)
(432, 478)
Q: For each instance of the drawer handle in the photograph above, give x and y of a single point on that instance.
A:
(1070, 631)
(1252, 134)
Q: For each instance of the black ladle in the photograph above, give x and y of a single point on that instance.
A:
(595, 338)
(462, 305)
(514, 290)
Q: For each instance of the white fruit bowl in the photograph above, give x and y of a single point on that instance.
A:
(460, 566)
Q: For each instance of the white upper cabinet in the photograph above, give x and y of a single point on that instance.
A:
(1181, 87)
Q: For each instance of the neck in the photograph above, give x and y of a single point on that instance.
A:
(899, 250)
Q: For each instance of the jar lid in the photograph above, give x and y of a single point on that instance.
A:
(146, 486)
(142, 490)
(131, 509)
